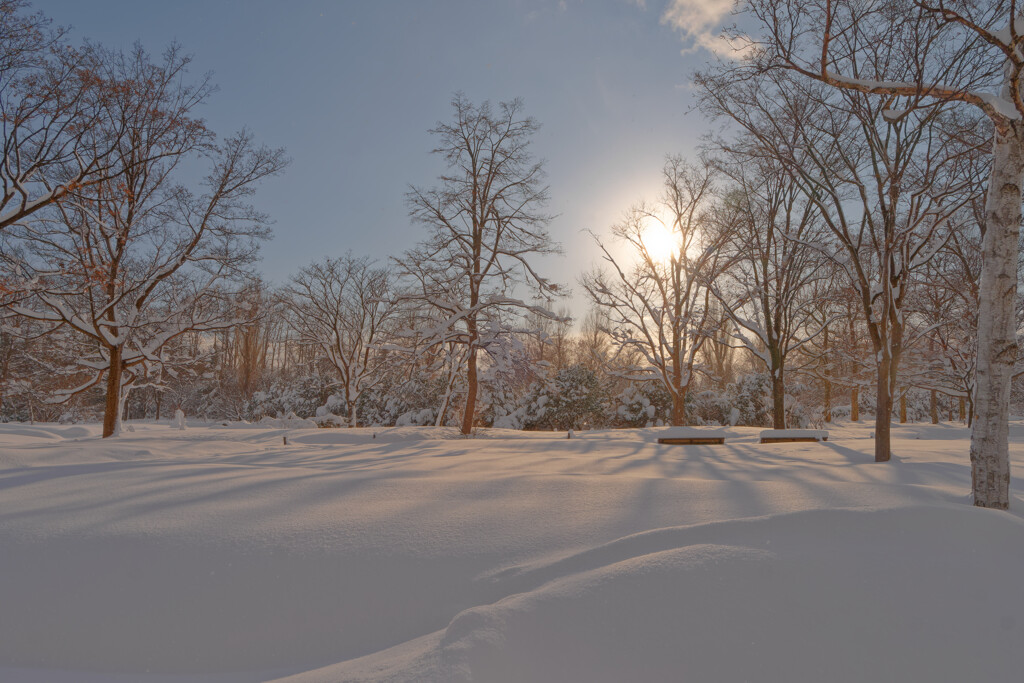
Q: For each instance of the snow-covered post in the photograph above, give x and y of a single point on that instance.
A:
(179, 419)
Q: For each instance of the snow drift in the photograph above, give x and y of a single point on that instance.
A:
(819, 596)
(221, 555)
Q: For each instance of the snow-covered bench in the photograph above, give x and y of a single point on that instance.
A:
(793, 435)
(690, 436)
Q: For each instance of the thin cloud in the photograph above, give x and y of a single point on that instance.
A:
(699, 23)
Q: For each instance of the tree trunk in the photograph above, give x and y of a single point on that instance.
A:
(855, 404)
(448, 390)
(679, 408)
(903, 408)
(827, 383)
(439, 421)
(883, 414)
(997, 328)
(159, 397)
(778, 400)
(122, 410)
(828, 401)
(467, 417)
(352, 417)
(112, 407)
(963, 410)
(935, 407)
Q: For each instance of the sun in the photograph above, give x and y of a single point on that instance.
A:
(658, 240)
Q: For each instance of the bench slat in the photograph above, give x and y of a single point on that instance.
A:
(693, 441)
(792, 439)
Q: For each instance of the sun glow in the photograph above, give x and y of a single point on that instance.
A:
(659, 241)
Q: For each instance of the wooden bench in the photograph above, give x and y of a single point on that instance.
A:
(688, 436)
(793, 435)
(693, 440)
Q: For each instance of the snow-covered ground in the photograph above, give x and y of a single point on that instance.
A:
(220, 554)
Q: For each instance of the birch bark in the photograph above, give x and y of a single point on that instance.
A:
(997, 328)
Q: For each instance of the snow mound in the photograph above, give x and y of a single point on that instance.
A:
(693, 433)
(289, 422)
(30, 433)
(364, 435)
(904, 594)
(47, 431)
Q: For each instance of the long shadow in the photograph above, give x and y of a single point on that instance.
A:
(852, 456)
(21, 476)
(817, 473)
(183, 485)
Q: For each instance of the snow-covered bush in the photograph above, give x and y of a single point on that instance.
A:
(502, 408)
(919, 406)
(18, 402)
(747, 401)
(709, 407)
(327, 414)
(843, 411)
(572, 399)
(205, 398)
(751, 396)
(644, 404)
(504, 388)
(424, 416)
(301, 396)
(406, 403)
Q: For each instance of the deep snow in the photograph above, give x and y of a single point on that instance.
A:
(219, 554)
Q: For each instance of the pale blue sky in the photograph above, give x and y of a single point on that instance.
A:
(350, 89)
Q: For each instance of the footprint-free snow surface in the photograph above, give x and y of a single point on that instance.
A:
(218, 554)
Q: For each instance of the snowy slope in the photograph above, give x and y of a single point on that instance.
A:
(219, 554)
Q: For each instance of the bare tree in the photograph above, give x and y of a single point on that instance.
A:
(134, 262)
(486, 223)
(592, 342)
(884, 181)
(775, 235)
(246, 347)
(547, 340)
(928, 51)
(659, 305)
(946, 306)
(55, 101)
(342, 307)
